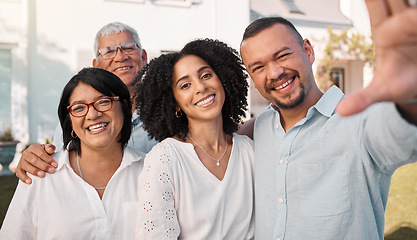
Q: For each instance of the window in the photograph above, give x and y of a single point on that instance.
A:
(337, 76)
(176, 3)
(291, 6)
(180, 3)
(5, 88)
(131, 1)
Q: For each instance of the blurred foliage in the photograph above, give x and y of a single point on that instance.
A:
(345, 45)
(6, 136)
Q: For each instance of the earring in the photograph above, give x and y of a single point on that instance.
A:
(178, 114)
(73, 133)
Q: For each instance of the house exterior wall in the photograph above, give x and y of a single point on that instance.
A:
(356, 11)
(13, 27)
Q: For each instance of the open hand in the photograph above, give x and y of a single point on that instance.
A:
(394, 30)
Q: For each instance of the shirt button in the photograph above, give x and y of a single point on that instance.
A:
(278, 238)
(281, 200)
(281, 161)
(276, 126)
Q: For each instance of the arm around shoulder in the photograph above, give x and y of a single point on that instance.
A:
(36, 160)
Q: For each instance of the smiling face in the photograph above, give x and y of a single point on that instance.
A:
(197, 89)
(280, 66)
(126, 67)
(97, 129)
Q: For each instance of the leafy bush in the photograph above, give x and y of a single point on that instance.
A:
(6, 136)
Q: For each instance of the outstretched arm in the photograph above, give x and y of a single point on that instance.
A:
(36, 160)
(394, 30)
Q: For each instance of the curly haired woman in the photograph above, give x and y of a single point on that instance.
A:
(197, 183)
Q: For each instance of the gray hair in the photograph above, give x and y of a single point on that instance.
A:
(116, 27)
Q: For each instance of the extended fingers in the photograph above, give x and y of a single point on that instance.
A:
(362, 99)
(378, 11)
(353, 104)
(395, 6)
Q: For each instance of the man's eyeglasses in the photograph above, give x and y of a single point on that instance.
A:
(101, 105)
(111, 52)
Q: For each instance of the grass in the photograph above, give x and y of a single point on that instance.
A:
(401, 211)
(400, 215)
(7, 186)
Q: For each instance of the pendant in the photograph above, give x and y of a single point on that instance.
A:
(218, 164)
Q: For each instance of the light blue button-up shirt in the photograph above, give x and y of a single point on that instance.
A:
(139, 139)
(328, 177)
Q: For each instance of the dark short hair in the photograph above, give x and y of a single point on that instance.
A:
(155, 97)
(104, 82)
(262, 23)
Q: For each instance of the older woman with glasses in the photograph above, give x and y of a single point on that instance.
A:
(92, 195)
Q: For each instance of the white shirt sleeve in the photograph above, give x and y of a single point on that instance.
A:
(18, 223)
(157, 216)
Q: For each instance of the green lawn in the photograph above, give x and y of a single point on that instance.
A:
(7, 186)
(401, 212)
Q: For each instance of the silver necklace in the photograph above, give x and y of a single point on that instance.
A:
(217, 160)
(81, 173)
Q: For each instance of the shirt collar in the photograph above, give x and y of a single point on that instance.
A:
(328, 102)
(129, 157)
(135, 119)
(326, 105)
(62, 158)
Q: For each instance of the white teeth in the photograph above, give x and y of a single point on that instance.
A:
(207, 100)
(97, 126)
(122, 68)
(285, 84)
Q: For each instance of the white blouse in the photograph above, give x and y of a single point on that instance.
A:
(180, 198)
(63, 206)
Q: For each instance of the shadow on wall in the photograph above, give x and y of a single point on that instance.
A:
(46, 85)
(47, 65)
(40, 67)
(404, 232)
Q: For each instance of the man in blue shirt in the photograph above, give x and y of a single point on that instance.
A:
(118, 50)
(319, 175)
